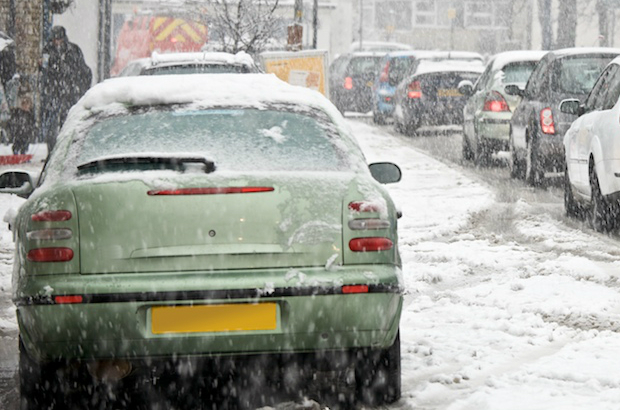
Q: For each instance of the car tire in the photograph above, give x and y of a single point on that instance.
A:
(571, 206)
(482, 154)
(377, 374)
(602, 214)
(534, 174)
(517, 165)
(378, 118)
(36, 387)
(468, 154)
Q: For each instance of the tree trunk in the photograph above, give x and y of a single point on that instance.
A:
(603, 23)
(567, 27)
(544, 15)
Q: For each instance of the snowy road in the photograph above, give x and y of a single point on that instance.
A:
(509, 305)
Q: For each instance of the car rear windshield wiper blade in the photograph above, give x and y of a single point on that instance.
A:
(158, 162)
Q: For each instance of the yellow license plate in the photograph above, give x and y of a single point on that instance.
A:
(449, 92)
(213, 318)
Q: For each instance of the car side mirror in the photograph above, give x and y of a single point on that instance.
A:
(572, 106)
(19, 183)
(513, 89)
(466, 88)
(385, 172)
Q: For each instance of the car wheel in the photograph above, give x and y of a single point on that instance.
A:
(570, 205)
(482, 154)
(377, 374)
(37, 386)
(517, 165)
(378, 118)
(468, 154)
(534, 173)
(602, 214)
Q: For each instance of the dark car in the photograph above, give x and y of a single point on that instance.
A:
(538, 126)
(351, 79)
(398, 64)
(430, 96)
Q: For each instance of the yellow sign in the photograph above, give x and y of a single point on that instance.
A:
(451, 14)
(302, 68)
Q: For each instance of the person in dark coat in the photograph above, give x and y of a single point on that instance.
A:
(22, 126)
(66, 77)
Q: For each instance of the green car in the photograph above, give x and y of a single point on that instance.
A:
(192, 219)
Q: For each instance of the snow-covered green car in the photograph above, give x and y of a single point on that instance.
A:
(182, 218)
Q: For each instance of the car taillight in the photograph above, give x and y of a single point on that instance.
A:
(52, 234)
(495, 102)
(546, 121)
(366, 206)
(368, 224)
(385, 77)
(373, 244)
(348, 83)
(69, 299)
(414, 90)
(348, 289)
(50, 255)
(211, 190)
(51, 216)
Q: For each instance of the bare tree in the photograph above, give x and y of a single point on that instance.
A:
(243, 25)
(567, 24)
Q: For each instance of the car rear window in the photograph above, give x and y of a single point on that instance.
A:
(234, 139)
(518, 72)
(197, 69)
(577, 75)
(361, 65)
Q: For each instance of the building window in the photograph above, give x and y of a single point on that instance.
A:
(486, 14)
(425, 13)
(393, 15)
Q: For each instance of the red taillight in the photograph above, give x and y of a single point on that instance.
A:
(348, 83)
(50, 255)
(65, 300)
(366, 206)
(546, 121)
(355, 289)
(495, 102)
(385, 76)
(211, 191)
(370, 244)
(51, 216)
(414, 90)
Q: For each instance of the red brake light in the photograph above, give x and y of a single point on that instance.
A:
(355, 289)
(370, 244)
(51, 216)
(414, 90)
(385, 77)
(546, 121)
(365, 206)
(495, 102)
(210, 191)
(348, 83)
(50, 255)
(64, 300)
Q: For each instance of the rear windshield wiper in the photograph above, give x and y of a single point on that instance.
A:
(149, 162)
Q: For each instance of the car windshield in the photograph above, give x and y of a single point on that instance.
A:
(197, 69)
(578, 75)
(234, 139)
(518, 72)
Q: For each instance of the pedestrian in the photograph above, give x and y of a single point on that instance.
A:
(66, 77)
(22, 125)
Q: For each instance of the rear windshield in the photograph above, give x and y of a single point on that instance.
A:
(361, 65)
(234, 139)
(578, 75)
(198, 69)
(518, 72)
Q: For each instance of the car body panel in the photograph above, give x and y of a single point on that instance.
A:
(361, 68)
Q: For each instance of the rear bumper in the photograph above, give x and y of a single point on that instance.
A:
(115, 318)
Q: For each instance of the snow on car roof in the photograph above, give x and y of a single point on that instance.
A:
(200, 57)
(206, 90)
(585, 50)
(462, 55)
(378, 46)
(502, 59)
(430, 66)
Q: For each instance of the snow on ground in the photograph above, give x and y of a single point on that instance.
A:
(506, 306)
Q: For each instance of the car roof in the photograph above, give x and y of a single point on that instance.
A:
(384, 46)
(463, 55)
(429, 66)
(194, 58)
(206, 90)
(500, 60)
(577, 51)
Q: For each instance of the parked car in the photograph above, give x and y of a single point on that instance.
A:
(191, 63)
(396, 65)
(487, 113)
(185, 222)
(430, 96)
(537, 126)
(592, 153)
(351, 79)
